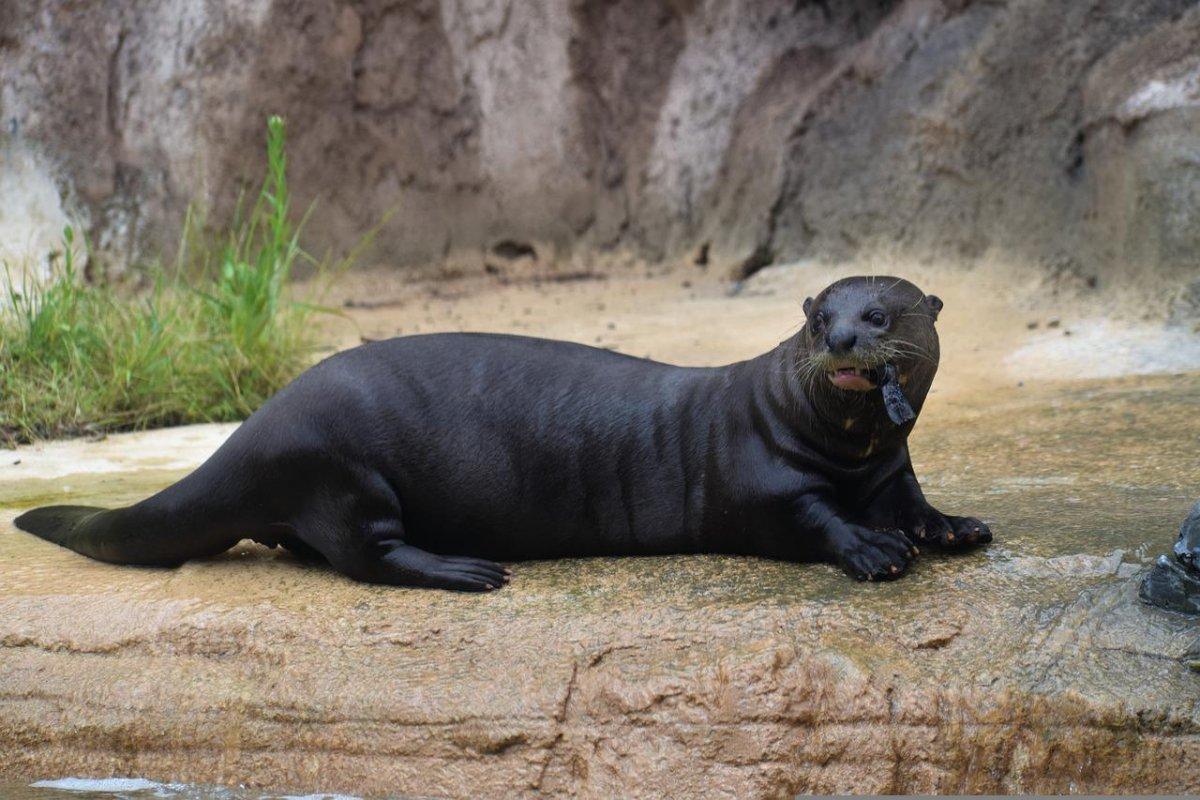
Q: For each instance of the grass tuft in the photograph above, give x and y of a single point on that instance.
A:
(82, 359)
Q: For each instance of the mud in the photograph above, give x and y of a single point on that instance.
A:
(1025, 667)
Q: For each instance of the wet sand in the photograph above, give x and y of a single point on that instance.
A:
(1027, 666)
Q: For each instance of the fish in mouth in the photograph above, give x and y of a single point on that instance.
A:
(864, 379)
(862, 338)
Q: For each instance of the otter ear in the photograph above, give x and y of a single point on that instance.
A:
(807, 306)
(935, 304)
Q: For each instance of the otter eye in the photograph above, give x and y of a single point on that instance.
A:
(877, 318)
(818, 323)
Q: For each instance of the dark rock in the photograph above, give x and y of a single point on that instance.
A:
(1187, 548)
(1174, 584)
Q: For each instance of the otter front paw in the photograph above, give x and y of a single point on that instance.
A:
(950, 533)
(870, 555)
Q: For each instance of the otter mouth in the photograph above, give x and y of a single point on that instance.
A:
(886, 377)
(852, 379)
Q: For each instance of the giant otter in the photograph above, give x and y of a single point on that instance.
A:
(411, 461)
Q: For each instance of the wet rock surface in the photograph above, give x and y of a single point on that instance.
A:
(1028, 666)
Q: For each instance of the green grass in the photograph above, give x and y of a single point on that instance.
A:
(77, 358)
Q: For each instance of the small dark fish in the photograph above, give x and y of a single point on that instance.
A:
(899, 410)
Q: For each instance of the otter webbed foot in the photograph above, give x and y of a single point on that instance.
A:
(404, 565)
(871, 555)
(930, 526)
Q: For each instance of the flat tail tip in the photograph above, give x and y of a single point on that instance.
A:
(53, 523)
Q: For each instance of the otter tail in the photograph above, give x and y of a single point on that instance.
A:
(164, 530)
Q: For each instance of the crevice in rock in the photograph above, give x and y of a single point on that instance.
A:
(762, 256)
(112, 99)
(513, 249)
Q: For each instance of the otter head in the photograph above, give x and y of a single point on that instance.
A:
(857, 327)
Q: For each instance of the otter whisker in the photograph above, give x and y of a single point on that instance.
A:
(919, 355)
(905, 347)
(910, 347)
(915, 356)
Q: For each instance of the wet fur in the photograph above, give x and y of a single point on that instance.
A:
(424, 460)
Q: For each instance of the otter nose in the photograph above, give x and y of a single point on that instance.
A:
(841, 340)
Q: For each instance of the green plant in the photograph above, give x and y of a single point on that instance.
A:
(259, 333)
(79, 358)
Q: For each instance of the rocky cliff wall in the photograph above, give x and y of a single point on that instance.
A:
(1059, 133)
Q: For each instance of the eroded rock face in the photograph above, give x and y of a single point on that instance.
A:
(1054, 132)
